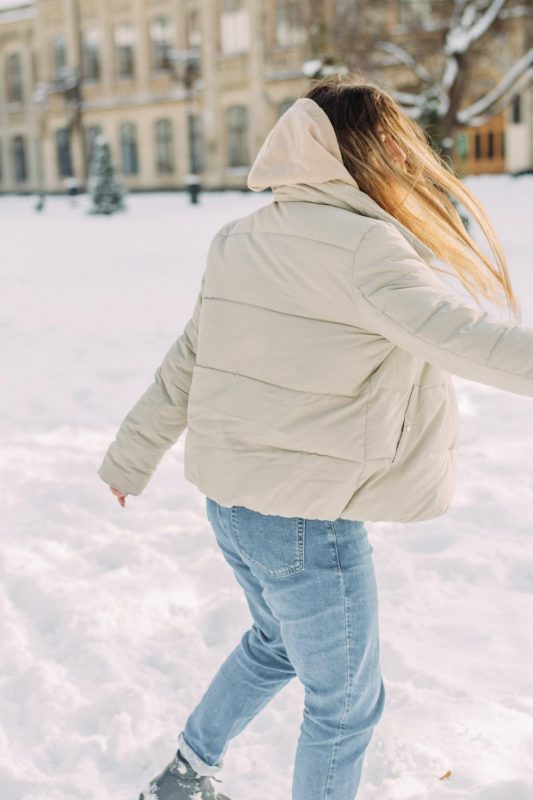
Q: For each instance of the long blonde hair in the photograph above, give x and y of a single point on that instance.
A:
(416, 192)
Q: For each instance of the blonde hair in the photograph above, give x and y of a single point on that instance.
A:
(416, 192)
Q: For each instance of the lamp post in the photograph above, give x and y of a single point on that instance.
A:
(40, 102)
(69, 84)
(186, 68)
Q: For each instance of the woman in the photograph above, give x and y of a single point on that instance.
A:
(314, 380)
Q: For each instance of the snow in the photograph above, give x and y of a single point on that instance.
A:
(12, 4)
(113, 620)
(472, 26)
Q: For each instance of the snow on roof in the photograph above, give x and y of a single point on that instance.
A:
(9, 4)
(11, 10)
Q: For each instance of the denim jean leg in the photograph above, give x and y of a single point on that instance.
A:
(343, 704)
(329, 624)
(252, 674)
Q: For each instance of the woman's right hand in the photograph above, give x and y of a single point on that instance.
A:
(119, 495)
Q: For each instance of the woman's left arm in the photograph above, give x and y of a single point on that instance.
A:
(157, 419)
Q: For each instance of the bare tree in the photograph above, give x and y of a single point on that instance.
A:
(437, 47)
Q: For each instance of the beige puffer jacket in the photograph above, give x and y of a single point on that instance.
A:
(313, 376)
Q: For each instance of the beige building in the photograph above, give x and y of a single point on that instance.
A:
(177, 86)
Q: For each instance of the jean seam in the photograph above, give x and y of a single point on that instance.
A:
(281, 572)
(219, 517)
(347, 640)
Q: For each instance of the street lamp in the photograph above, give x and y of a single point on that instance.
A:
(186, 69)
(40, 102)
(68, 82)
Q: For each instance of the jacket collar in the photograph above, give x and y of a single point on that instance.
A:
(343, 195)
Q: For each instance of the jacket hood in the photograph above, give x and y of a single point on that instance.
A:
(300, 159)
(301, 148)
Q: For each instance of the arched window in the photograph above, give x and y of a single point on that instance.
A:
(161, 36)
(59, 56)
(124, 50)
(63, 153)
(128, 149)
(194, 124)
(194, 31)
(164, 146)
(234, 27)
(18, 159)
(237, 124)
(15, 90)
(91, 55)
(290, 30)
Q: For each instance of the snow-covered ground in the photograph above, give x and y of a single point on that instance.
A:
(112, 620)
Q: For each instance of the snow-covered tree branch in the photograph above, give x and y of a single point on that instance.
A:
(442, 58)
(466, 115)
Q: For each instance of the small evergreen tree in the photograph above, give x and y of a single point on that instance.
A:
(106, 192)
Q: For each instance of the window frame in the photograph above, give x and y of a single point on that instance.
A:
(129, 149)
(234, 28)
(163, 45)
(14, 77)
(63, 151)
(59, 64)
(19, 138)
(124, 52)
(92, 55)
(239, 146)
(165, 157)
(295, 34)
(516, 109)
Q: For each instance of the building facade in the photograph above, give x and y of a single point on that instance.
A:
(177, 86)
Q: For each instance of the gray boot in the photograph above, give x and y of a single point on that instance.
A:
(179, 781)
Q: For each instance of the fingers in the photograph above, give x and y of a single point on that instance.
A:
(121, 497)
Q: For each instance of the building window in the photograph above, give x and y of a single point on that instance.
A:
(128, 149)
(124, 51)
(161, 37)
(284, 106)
(194, 35)
(63, 153)
(461, 146)
(18, 156)
(164, 146)
(234, 27)
(59, 57)
(91, 55)
(477, 146)
(195, 143)
(516, 107)
(289, 28)
(90, 137)
(238, 135)
(15, 91)
(490, 145)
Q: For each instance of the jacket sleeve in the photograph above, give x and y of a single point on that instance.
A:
(397, 295)
(157, 419)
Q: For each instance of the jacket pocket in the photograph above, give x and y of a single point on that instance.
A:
(407, 424)
(272, 544)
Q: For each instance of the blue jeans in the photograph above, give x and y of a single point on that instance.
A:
(311, 590)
